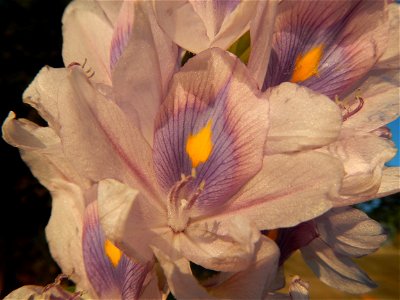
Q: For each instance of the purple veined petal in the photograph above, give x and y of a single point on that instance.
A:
(111, 273)
(336, 42)
(213, 103)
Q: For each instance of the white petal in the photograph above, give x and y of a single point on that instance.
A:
(141, 75)
(300, 119)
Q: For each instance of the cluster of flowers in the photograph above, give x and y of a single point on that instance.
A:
(193, 146)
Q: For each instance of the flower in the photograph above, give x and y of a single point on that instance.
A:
(336, 49)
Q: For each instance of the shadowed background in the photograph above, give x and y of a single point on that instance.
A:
(30, 39)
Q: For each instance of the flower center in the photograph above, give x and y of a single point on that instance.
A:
(180, 201)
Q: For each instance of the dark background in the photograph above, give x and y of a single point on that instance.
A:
(30, 39)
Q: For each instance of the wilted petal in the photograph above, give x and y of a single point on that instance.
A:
(300, 119)
(222, 246)
(87, 33)
(215, 23)
(390, 183)
(215, 99)
(350, 232)
(335, 269)
(254, 281)
(338, 41)
(289, 189)
(129, 220)
(99, 138)
(142, 74)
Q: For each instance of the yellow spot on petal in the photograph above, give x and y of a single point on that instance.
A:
(307, 65)
(273, 234)
(199, 145)
(113, 253)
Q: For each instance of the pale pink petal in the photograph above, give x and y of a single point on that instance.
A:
(130, 220)
(235, 22)
(214, 23)
(254, 281)
(261, 29)
(289, 189)
(42, 94)
(336, 270)
(142, 74)
(390, 183)
(87, 34)
(42, 151)
(181, 23)
(222, 246)
(180, 279)
(363, 157)
(110, 8)
(350, 232)
(300, 119)
(391, 58)
(64, 231)
(100, 140)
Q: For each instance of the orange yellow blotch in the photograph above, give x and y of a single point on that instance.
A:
(199, 145)
(112, 252)
(307, 64)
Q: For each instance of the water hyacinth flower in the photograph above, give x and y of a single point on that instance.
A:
(207, 213)
(187, 165)
(342, 51)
